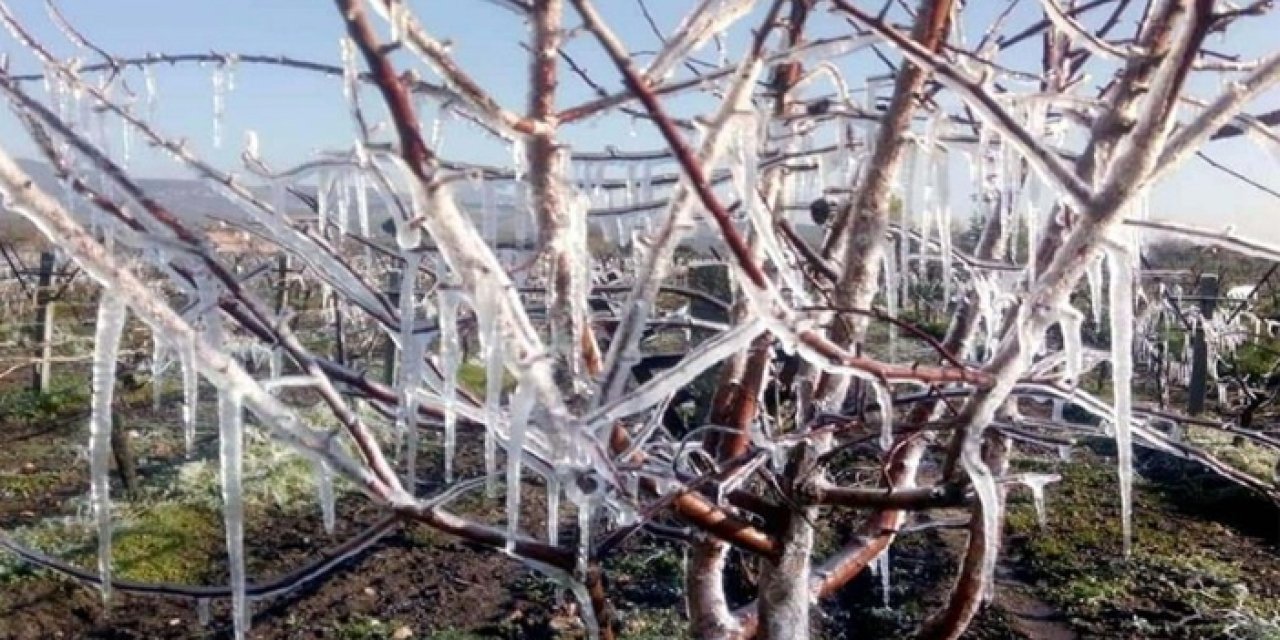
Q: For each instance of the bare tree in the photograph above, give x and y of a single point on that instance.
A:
(1065, 155)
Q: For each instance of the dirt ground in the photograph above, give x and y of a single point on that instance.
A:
(1194, 559)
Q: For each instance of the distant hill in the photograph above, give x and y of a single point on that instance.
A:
(197, 202)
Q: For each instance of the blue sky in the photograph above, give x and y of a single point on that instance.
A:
(297, 114)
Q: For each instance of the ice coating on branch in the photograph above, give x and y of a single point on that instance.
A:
(111, 317)
(652, 266)
(1120, 274)
(450, 355)
(706, 20)
(746, 177)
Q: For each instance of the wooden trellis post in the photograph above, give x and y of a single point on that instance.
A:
(44, 319)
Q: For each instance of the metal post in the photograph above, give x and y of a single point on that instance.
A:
(1207, 291)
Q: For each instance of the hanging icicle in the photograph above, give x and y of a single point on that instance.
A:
(1120, 274)
(190, 392)
(111, 318)
(231, 462)
(450, 357)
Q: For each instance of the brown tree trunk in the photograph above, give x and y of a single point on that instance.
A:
(126, 464)
(785, 592)
(968, 594)
(708, 606)
(858, 235)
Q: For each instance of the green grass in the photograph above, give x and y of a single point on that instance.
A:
(22, 486)
(168, 543)
(27, 407)
(1177, 569)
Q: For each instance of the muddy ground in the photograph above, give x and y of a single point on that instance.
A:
(1205, 563)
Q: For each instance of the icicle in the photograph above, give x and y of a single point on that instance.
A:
(398, 20)
(275, 363)
(350, 69)
(231, 461)
(202, 611)
(883, 569)
(362, 204)
(891, 276)
(149, 84)
(903, 254)
(884, 398)
(190, 392)
(1121, 290)
(157, 368)
(450, 354)
(340, 187)
(1070, 321)
(553, 509)
(412, 351)
(1094, 276)
(943, 179)
(585, 513)
(324, 491)
(577, 588)
(646, 182)
(219, 103)
(323, 185)
(1037, 498)
(111, 318)
(493, 371)
(522, 404)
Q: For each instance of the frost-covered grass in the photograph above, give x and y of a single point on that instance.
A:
(162, 542)
(172, 529)
(1187, 577)
(1256, 460)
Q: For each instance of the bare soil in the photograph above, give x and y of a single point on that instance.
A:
(419, 582)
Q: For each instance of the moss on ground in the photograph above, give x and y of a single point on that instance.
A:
(654, 624)
(1181, 580)
(168, 543)
(23, 486)
(27, 408)
(472, 377)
